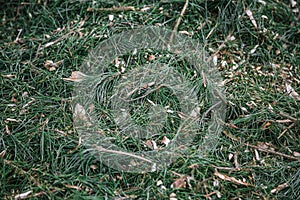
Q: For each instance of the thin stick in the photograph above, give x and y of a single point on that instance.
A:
(122, 153)
(178, 21)
(285, 130)
(262, 149)
(287, 116)
(220, 47)
(113, 9)
(147, 93)
(272, 152)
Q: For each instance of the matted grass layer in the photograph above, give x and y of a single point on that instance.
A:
(257, 53)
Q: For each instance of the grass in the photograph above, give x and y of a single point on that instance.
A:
(40, 150)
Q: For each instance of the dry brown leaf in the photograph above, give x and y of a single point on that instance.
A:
(76, 76)
(231, 179)
(148, 143)
(166, 141)
(265, 125)
(179, 183)
(93, 167)
(151, 57)
(51, 66)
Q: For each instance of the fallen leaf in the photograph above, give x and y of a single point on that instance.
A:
(165, 141)
(51, 66)
(180, 182)
(159, 182)
(93, 167)
(76, 76)
(151, 57)
(265, 125)
(148, 143)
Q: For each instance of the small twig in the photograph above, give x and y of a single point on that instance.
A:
(285, 130)
(272, 152)
(210, 109)
(113, 9)
(262, 149)
(220, 47)
(57, 40)
(227, 168)
(78, 145)
(178, 21)
(146, 94)
(121, 153)
(287, 116)
(21, 171)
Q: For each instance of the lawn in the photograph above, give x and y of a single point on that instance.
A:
(253, 47)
